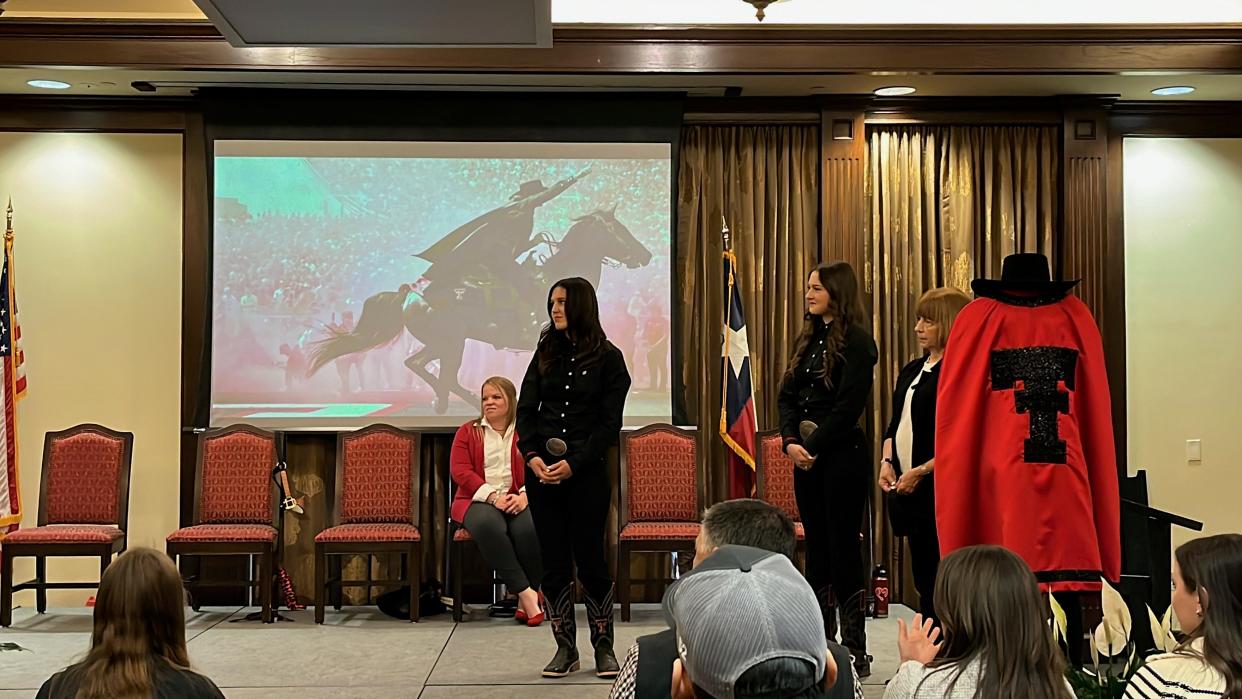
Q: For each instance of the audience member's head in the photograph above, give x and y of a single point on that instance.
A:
(750, 629)
(745, 522)
(139, 617)
(990, 609)
(1207, 599)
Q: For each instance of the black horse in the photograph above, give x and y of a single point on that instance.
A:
(486, 310)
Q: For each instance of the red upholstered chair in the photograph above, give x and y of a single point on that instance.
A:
(83, 509)
(376, 511)
(234, 506)
(660, 508)
(774, 483)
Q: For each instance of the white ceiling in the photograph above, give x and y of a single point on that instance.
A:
(738, 12)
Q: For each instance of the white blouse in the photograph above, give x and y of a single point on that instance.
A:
(497, 462)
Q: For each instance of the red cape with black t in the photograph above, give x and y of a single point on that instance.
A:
(1024, 440)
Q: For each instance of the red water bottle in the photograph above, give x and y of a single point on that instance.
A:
(879, 588)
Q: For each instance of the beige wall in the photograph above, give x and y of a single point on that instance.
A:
(1183, 246)
(98, 264)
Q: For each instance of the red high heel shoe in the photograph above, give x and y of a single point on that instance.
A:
(520, 616)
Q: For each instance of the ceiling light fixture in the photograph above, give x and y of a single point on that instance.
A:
(760, 6)
(49, 84)
(1173, 90)
(894, 91)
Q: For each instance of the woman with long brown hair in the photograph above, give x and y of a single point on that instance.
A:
(997, 641)
(822, 397)
(568, 415)
(1207, 600)
(138, 643)
(490, 501)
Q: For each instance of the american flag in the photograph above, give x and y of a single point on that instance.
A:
(12, 385)
(737, 409)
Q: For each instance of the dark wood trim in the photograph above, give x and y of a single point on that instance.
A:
(189, 45)
(92, 114)
(1177, 119)
(843, 151)
(1114, 326)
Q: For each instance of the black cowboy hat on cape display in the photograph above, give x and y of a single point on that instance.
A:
(1023, 273)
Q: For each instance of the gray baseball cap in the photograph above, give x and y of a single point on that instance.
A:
(741, 607)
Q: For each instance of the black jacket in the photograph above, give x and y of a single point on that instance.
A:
(582, 406)
(836, 410)
(909, 512)
(922, 413)
(168, 682)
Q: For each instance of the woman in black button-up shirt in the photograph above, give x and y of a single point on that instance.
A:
(827, 383)
(573, 396)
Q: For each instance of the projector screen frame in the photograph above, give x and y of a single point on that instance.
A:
(428, 117)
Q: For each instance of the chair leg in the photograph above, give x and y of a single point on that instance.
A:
(6, 588)
(265, 585)
(414, 572)
(321, 582)
(623, 580)
(104, 561)
(41, 584)
(338, 572)
(456, 576)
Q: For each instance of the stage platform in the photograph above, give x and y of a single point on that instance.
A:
(359, 652)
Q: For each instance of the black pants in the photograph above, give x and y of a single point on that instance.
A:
(832, 497)
(508, 544)
(924, 561)
(570, 518)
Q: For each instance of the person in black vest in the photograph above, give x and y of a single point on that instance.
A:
(568, 415)
(822, 397)
(647, 670)
(910, 442)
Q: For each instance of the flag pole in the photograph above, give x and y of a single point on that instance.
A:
(728, 316)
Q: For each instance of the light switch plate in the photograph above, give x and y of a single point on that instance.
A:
(1194, 451)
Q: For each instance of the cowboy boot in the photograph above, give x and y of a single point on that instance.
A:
(854, 632)
(828, 607)
(599, 616)
(565, 631)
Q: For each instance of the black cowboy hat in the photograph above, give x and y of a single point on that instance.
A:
(1023, 272)
(529, 189)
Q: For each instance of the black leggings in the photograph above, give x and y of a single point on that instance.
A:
(508, 544)
(570, 518)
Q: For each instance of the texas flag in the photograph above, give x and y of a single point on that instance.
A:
(737, 410)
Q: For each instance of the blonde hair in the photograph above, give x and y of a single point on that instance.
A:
(506, 388)
(941, 306)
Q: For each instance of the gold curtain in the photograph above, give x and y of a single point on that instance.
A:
(947, 204)
(764, 181)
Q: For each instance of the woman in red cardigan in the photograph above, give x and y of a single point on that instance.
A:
(491, 498)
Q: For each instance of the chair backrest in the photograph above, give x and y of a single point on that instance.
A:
(85, 476)
(659, 475)
(233, 483)
(774, 473)
(377, 476)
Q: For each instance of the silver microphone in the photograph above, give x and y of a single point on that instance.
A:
(806, 428)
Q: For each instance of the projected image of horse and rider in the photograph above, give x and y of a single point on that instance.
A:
(382, 282)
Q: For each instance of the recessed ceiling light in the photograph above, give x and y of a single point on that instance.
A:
(49, 84)
(895, 91)
(1173, 90)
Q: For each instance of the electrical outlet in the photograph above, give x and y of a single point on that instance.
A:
(1194, 451)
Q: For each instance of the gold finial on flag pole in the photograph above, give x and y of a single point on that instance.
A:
(8, 220)
(724, 232)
